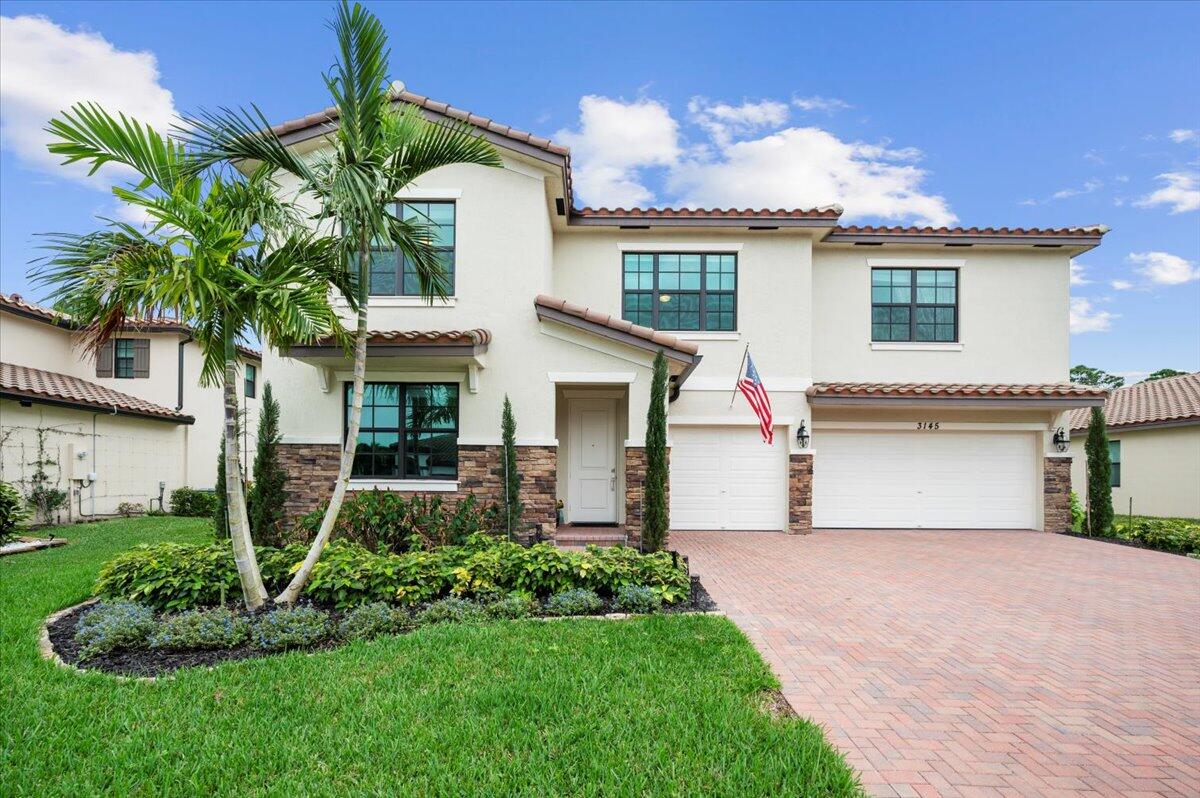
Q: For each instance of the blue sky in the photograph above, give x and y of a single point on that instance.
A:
(1017, 115)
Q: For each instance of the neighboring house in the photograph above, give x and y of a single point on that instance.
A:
(929, 366)
(1154, 440)
(115, 425)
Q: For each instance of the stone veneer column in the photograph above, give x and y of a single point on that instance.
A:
(1056, 494)
(312, 469)
(635, 489)
(800, 476)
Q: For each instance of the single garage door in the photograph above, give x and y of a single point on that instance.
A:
(932, 480)
(727, 478)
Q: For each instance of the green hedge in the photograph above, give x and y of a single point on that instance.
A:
(1176, 535)
(174, 576)
(193, 503)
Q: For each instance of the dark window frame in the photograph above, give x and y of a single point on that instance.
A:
(250, 381)
(399, 256)
(1115, 474)
(703, 293)
(118, 358)
(402, 430)
(913, 304)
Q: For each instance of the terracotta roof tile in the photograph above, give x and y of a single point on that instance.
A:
(1091, 230)
(830, 212)
(953, 390)
(36, 383)
(603, 319)
(1162, 401)
(394, 337)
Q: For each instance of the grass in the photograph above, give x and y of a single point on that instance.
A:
(656, 706)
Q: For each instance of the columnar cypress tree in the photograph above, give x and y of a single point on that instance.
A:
(1099, 475)
(221, 507)
(512, 477)
(655, 517)
(268, 495)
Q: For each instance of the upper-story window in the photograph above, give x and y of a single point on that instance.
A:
(251, 380)
(680, 291)
(1114, 455)
(408, 431)
(392, 274)
(914, 305)
(124, 358)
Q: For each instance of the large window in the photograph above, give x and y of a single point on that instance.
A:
(914, 305)
(408, 431)
(123, 358)
(680, 292)
(1114, 454)
(392, 274)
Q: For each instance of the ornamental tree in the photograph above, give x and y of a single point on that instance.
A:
(1099, 475)
(655, 515)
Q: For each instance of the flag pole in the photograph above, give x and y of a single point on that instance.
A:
(733, 395)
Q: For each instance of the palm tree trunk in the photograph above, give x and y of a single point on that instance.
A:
(350, 445)
(253, 591)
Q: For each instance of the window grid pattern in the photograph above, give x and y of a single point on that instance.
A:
(123, 358)
(408, 431)
(393, 274)
(251, 380)
(1114, 454)
(914, 305)
(680, 291)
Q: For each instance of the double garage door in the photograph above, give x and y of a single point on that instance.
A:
(727, 478)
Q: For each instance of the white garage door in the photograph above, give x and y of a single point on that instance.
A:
(932, 480)
(727, 478)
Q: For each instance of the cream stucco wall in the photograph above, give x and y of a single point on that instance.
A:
(1160, 471)
(1013, 323)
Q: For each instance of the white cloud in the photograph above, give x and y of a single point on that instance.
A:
(829, 105)
(1093, 157)
(44, 69)
(1180, 135)
(1133, 376)
(744, 159)
(1085, 318)
(1122, 285)
(1163, 268)
(1078, 276)
(1088, 187)
(1181, 192)
(615, 141)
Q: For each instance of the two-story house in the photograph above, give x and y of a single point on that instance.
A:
(121, 425)
(918, 377)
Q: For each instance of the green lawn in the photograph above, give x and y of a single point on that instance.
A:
(657, 706)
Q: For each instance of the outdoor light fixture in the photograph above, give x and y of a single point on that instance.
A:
(1061, 441)
(802, 435)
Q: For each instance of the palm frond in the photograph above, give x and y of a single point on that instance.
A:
(238, 134)
(416, 145)
(86, 132)
(358, 82)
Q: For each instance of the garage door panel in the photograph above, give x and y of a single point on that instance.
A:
(727, 478)
(948, 480)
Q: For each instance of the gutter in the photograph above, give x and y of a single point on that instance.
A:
(111, 410)
(179, 371)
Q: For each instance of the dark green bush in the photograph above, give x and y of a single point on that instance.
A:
(367, 621)
(200, 629)
(291, 627)
(115, 625)
(510, 607)
(384, 521)
(193, 503)
(12, 512)
(1175, 535)
(450, 610)
(636, 598)
(578, 601)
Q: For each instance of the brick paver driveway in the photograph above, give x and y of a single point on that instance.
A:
(977, 663)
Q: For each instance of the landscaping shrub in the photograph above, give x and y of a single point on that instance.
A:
(291, 627)
(636, 598)
(656, 514)
(193, 503)
(1175, 535)
(372, 620)
(1078, 515)
(450, 610)
(579, 601)
(201, 629)
(1099, 476)
(348, 575)
(384, 521)
(114, 625)
(12, 512)
(130, 509)
(266, 497)
(509, 608)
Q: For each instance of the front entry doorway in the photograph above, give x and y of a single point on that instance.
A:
(592, 440)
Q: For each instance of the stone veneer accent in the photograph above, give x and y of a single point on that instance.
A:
(635, 484)
(1056, 494)
(800, 476)
(312, 469)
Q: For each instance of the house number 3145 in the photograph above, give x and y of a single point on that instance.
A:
(929, 425)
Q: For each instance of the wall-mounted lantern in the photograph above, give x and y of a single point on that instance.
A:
(1061, 439)
(802, 435)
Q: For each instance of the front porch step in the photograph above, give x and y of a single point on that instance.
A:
(577, 538)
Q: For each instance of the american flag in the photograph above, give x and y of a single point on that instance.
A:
(752, 388)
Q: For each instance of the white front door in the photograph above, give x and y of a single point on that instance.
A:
(592, 492)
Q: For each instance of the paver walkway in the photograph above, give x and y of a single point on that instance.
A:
(976, 662)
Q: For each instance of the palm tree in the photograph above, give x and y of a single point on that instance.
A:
(219, 254)
(375, 153)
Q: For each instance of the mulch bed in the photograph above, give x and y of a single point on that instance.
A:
(141, 663)
(1133, 544)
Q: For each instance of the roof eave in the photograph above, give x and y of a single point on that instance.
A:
(1059, 402)
(679, 356)
(1082, 243)
(635, 221)
(95, 407)
(1189, 421)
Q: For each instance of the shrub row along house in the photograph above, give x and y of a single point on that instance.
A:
(918, 376)
(1154, 442)
(114, 425)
